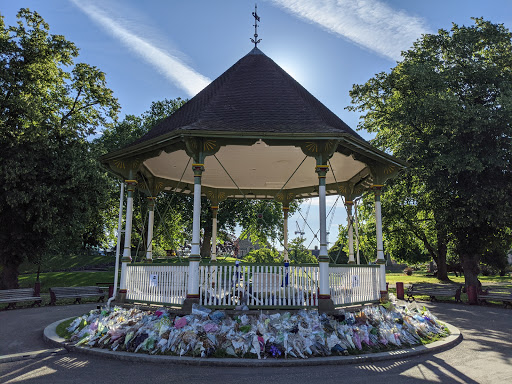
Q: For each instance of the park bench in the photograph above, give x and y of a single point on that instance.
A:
(12, 296)
(496, 293)
(76, 293)
(434, 291)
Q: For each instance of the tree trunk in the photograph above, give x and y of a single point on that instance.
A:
(442, 272)
(207, 238)
(471, 269)
(9, 276)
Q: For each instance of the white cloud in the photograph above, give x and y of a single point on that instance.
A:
(369, 23)
(171, 67)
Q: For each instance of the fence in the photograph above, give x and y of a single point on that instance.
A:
(351, 284)
(254, 285)
(258, 286)
(164, 283)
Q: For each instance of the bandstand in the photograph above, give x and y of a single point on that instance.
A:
(253, 133)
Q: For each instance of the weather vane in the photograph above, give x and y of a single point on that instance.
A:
(256, 19)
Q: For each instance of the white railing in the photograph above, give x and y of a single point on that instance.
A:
(258, 285)
(354, 284)
(254, 285)
(157, 283)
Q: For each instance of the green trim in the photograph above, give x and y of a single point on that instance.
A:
(278, 264)
(261, 306)
(217, 263)
(174, 141)
(252, 306)
(355, 265)
(159, 264)
(356, 303)
(152, 302)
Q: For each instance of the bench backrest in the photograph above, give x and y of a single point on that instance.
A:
(76, 290)
(433, 287)
(22, 292)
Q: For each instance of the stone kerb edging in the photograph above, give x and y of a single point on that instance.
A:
(450, 341)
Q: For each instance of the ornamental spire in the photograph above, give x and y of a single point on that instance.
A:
(256, 19)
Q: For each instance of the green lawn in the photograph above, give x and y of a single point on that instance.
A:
(66, 279)
(70, 261)
(421, 277)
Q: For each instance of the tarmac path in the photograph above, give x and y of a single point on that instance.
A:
(484, 356)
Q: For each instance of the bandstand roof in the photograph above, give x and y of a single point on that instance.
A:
(255, 124)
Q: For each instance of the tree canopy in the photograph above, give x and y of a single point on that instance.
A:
(446, 108)
(49, 182)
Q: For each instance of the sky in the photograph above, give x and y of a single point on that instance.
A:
(156, 49)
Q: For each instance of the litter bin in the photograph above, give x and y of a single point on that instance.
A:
(400, 291)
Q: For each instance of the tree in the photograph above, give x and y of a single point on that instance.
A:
(338, 253)
(263, 255)
(48, 107)
(446, 108)
(171, 221)
(298, 253)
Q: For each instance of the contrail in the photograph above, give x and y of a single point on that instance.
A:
(171, 67)
(369, 23)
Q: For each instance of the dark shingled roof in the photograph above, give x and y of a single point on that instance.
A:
(254, 95)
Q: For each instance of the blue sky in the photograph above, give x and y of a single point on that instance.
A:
(151, 50)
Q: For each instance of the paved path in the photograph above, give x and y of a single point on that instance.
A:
(484, 356)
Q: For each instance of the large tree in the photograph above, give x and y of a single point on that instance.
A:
(446, 108)
(48, 108)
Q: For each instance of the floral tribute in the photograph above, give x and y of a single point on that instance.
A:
(207, 333)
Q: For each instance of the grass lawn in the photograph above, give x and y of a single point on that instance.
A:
(66, 262)
(421, 277)
(66, 279)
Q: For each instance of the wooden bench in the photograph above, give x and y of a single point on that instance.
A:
(12, 296)
(434, 291)
(496, 293)
(75, 293)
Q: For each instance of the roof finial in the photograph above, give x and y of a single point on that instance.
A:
(256, 19)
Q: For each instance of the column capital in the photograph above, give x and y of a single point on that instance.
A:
(322, 171)
(198, 169)
(151, 201)
(130, 185)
